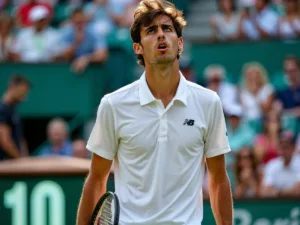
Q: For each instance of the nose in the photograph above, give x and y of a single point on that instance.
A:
(160, 33)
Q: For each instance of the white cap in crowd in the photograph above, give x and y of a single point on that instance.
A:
(235, 110)
(38, 12)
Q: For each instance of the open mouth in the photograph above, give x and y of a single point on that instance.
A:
(162, 46)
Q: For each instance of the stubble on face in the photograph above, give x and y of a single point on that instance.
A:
(160, 31)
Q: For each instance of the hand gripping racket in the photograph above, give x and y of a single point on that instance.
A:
(107, 210)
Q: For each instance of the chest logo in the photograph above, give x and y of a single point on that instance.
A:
(189, 122)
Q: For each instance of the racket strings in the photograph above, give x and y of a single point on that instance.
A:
(106, 216)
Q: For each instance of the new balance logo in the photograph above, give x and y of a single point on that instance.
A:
(188, 122)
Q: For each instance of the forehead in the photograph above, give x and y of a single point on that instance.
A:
(290, 63)
(159, 20)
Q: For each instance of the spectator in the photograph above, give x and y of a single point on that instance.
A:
(289, 97)
(42, 42)
(12, 143)
(6, 36)
(260, 24)
(225, 24)
(239, 133)
(266, 144)
(186, 67)
(124, 13)
(59, 144)
(98, 12)
(215, 80)
(247, 175)
(257, 94)
(79, 149)
(82, 44)
(24, 11)
(282, 175)
(289, 25)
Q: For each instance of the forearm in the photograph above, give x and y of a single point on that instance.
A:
(10, 148)
(263, 33)
(24, 148)
(221, 202)
(69, 53)
(98, 56)
(92, 191)
(291, 192)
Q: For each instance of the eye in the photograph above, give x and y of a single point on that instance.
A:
(150, 31)
(167, 29)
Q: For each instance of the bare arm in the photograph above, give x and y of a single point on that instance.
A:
(6, 143)
(269, 191)
(219, 190)
(24, 148)
(82, 62)
(94, 188)
(291, 192)
(267, 105)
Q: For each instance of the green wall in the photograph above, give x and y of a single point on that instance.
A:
(233, 55)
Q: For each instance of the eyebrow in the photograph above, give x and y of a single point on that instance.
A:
(155, 26)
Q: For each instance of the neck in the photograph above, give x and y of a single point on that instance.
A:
(287, 161)
(259, 11)
(163, 81)
(227, 14)
(58, 145)
(38, 30)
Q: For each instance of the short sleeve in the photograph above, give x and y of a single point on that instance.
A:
(269, 23)
(66, 37)
(100, 42)
(102, 140)
(216, 140)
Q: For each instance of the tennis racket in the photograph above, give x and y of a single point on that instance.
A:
(107, 210)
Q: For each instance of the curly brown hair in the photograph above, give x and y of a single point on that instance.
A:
(144, 14)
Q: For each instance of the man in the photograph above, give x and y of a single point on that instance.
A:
(215, 80)
(81, 43)
(159, 130)
(12, 144)
(282, 175)
(42, 42)
(24, 10)
(79, 149)
(289, 96)
(261, 25)
(58, 134)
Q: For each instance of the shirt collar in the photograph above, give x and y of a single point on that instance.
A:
(147, 97)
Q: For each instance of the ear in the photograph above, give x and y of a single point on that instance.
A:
(180, 44)
(138, 48)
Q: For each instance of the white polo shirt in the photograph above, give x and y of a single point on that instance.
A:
(159, 152)
(282, 177)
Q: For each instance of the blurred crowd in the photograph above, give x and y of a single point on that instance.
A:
(263, 126)
(35, 31)
(256, 19)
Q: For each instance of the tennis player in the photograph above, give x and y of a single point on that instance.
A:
(159, 131)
